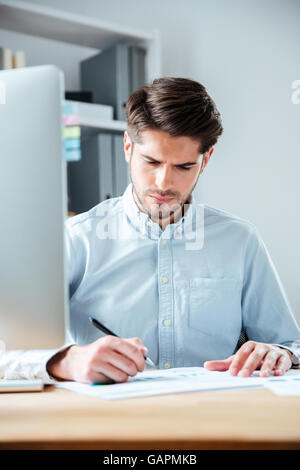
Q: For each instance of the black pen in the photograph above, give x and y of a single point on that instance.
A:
(108, 332)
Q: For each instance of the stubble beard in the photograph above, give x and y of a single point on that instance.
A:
(166, 216)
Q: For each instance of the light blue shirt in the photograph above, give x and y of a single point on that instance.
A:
(186, 292)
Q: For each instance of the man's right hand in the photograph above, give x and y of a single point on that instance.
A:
(109, 359)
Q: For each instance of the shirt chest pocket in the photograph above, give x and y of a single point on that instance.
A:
(215, 306)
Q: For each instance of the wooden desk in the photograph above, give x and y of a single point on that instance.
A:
(231, 419)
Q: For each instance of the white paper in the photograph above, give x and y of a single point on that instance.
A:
(159, 382)
(186, 379)
(286, 385)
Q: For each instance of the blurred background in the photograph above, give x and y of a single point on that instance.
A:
(247, 54)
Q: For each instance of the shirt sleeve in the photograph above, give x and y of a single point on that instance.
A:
(30, 364)
(267, 314)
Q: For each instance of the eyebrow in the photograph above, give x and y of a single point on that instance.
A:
(181, 164)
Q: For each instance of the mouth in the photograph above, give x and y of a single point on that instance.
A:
(161, 200)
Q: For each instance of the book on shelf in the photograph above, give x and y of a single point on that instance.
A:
(90, 179)
(102, 172)
(113, 74)
(71, 133)
(84, 96)
(137, 58)
(18, 59)
(121, 175)
(6, 58)
(10, 60)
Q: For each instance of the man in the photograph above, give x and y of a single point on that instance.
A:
(174, 279)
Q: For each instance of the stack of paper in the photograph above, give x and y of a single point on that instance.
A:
(158, 382)
(185, 379)
(70, 132)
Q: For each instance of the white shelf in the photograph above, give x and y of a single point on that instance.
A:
(45, 22)
(98, 124)
(95, 116)
(64, 26)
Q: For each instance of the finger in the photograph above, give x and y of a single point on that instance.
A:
(105, 373)
(121, 362)
(219, 365)
(254, 360)
(283, 364)
(129, 348)
(241, 357)
(141, 364)
(269, 363)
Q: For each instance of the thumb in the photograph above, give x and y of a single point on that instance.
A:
(220, 365)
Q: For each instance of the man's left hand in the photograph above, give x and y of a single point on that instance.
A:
(253, 355)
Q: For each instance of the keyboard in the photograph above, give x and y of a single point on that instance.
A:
(24, 385)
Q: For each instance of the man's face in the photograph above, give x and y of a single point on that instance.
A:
(164, 171)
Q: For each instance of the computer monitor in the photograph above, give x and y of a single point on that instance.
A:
(33, 207)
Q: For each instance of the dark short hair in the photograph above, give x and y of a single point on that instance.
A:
(178, 106)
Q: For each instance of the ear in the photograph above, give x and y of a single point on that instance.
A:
(206, 157)
(127, 146)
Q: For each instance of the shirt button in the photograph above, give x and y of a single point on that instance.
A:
(164, 280)
(149, 223)
(167, 322)
(167, 365)
(164, 241)
(179, 229)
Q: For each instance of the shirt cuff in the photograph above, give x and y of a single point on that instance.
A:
(28, 364)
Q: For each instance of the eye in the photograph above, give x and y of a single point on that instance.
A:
(186, 168)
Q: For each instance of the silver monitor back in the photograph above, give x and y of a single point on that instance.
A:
(33, 207)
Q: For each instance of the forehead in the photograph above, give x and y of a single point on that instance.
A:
(161, 145)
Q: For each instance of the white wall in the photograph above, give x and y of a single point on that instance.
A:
(246, 52)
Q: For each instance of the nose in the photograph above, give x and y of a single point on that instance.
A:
(164, 179)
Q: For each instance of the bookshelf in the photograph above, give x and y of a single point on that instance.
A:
(67, 27)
